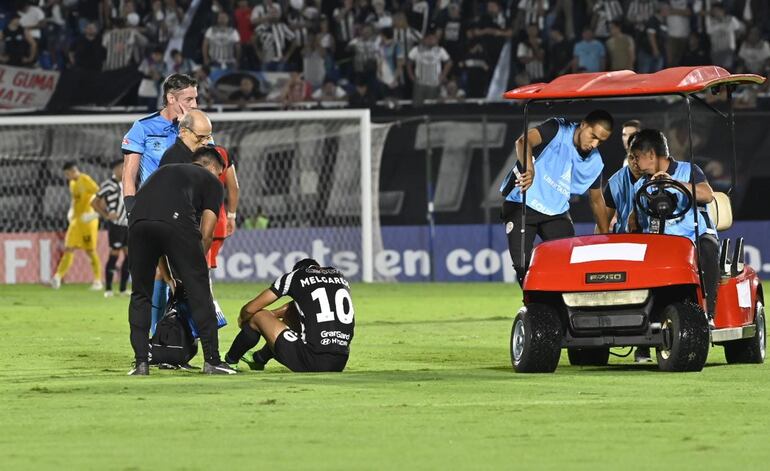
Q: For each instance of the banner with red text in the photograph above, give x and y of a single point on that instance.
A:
(21, 87)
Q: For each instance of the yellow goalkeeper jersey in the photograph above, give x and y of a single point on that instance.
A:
(83, 190)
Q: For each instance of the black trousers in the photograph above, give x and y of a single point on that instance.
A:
(543, 225)
(147, 242)
(709, 261)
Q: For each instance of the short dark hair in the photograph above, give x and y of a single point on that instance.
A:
(177, 83)
(208, 154)
(648, 140)
(115, 163)
(600, 117)
(69, 165)
(632, 123)
(305, 263)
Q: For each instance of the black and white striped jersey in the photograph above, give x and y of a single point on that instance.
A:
(322, 298)
(111, 190)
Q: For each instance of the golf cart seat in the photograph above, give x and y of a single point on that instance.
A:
(721, 211)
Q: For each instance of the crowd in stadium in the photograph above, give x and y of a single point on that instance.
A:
(367, 50)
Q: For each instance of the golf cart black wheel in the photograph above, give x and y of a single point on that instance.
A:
(685, 336)
(536, 339)
(588, 356)
(751, 350)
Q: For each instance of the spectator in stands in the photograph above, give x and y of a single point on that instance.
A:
(296, 90)
(362, 96)
(530, 12)
(451, 92)
(56, 34)
(87, 11)
(390, 64)
(245, 30)
(365, 53)
(638, 14)
(222, 45)
(172, 15)
(179, 64)
(565, 10)
(153, 69)
(696, 53)
(314, 61)
(451, 31)
(493, 30)
(123, 44)
(419, 15)
(678, 14)
(206, 90)
(650, 45)
(31, 18)
(329, 91)
(620, 48)
(428, 67)
(383, 16)
(88, 52)
(20, 48)
(407, 37)
(723, 29)
(559, 54)
(248, 92)
(344, 20)
(531, 54)
(155, 24)
(589, 54)
(476, 66)
(603, 13)
(753, 13)
(754, 54)
(275, 39)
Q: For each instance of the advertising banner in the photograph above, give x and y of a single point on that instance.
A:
(26, 88)
(474, 252)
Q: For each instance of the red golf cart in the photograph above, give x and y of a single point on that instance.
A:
(590, 293)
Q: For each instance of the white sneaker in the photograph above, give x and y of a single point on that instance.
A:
(56, 282)
(109, 294)
(126, 293)
(96, 286)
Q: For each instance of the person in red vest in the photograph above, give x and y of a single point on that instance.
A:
(227, 212)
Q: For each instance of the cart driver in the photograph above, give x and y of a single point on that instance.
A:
(649, 152)
(562, 160)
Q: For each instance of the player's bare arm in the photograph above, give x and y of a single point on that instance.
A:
(130, 171)
(534, 139)
(101, 209)
(599, 208)
(233, 193)
(208, 222)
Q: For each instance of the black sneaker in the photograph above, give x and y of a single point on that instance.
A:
(642, 355)
(220, 368)
(188, 367)
(140, 369)
(255, 364)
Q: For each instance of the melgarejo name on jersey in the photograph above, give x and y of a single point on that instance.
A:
(312, 280)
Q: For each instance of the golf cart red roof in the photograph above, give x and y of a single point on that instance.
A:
(676, 80)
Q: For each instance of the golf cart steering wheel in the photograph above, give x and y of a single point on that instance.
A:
(660, 203)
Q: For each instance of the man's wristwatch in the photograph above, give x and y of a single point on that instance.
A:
(231, 215)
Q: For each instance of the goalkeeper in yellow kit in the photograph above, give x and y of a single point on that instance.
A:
(83, 225)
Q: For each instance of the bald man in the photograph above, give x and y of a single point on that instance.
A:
(194, 133)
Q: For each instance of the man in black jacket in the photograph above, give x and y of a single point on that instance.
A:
(174, 216)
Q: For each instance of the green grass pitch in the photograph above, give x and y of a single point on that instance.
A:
(429, 386)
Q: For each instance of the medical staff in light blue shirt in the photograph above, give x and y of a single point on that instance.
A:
(562, 160)
(619, 193)
(649, 150)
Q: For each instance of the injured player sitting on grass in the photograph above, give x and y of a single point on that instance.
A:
(312, 333)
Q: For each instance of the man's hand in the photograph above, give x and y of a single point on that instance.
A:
(112, 216)
(230, 227)
(661, 176)
(88, 217)
(524, 180)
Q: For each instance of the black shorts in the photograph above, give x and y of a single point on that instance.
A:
(117, 236)
(295, 355)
